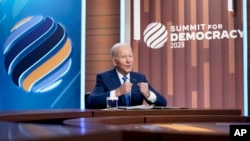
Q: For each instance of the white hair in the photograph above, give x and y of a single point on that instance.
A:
(117, 45)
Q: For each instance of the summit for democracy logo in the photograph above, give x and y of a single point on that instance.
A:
(156, 34)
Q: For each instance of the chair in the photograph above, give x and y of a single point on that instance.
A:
(86, 99)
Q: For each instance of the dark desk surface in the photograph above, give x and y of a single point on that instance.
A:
(137, 128)
(35, 115)
(104, 113)
(125, 125)
(120, 120)
(43, 132)
(193, 131)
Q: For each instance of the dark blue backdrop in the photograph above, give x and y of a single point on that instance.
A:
(66, 94)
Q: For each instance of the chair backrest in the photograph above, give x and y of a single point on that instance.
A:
(86, 99)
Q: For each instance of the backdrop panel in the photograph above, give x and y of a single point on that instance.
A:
(40, 54)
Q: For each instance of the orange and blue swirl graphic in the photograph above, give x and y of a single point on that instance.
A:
(37, 54)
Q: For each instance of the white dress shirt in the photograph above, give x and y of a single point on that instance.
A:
(152, 96)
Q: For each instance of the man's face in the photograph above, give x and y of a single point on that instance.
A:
(123, 59)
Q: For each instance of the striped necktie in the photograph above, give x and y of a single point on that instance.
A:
(127, 95)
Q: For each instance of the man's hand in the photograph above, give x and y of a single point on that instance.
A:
(144, 89)
(123, 89)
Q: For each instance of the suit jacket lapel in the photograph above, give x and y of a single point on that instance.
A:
(133, 78)
(114, 78)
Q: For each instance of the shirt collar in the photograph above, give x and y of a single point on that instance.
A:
(120, 76)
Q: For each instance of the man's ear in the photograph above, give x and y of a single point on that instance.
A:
(114, 61)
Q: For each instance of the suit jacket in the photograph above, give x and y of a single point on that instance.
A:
(109, 80)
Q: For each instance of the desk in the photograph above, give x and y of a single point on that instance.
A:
(125, 125)
(39, 115)
(105, 113)
(191, 131)
(117, 120)
(167, 127)
(43, 132)
(53, 114)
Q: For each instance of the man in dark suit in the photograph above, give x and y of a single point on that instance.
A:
(131, 88)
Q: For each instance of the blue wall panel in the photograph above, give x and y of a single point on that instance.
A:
(40, 48)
